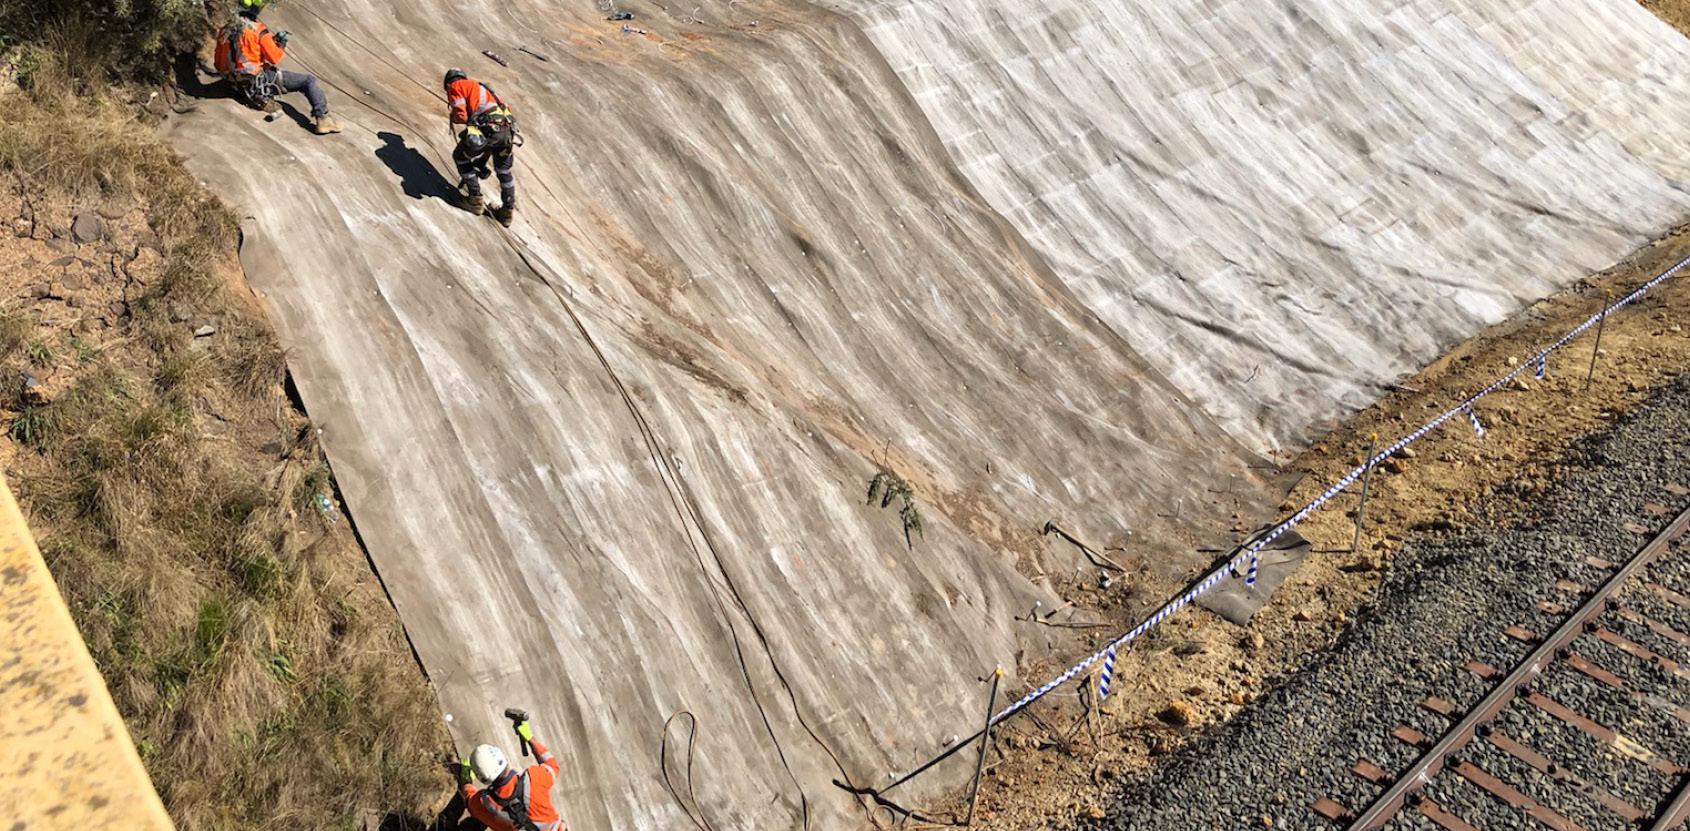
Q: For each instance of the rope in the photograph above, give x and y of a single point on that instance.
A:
(694, 812)
(675, 486)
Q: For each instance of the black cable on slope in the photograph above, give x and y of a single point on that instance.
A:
(671, 479)
(686, 509)
(694, 812)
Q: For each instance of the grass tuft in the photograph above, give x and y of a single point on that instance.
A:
(262, 674)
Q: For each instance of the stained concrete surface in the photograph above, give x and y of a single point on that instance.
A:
(611, 464)
(1282, 206)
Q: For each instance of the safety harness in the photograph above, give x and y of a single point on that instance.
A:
(258, 84)
(493, 125)
(515, 806)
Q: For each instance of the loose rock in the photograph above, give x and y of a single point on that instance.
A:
(1178, 713)
(87, 227)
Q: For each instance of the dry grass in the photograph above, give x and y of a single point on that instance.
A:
(263, 676)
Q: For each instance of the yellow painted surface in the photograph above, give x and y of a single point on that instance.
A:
(70, 763)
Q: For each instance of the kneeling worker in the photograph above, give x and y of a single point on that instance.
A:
(511, 801)
(489, 135)
(250, 55)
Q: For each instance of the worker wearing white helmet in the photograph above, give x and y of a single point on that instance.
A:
(511, 801)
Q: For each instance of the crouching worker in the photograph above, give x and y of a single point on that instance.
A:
(249, 55)
(489, 136)
(511, 801)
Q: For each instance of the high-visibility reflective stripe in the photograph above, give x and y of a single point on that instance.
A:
(237, 58)
(490, 102)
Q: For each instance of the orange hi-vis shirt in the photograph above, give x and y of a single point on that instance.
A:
(469, 99)
(254, 50)
(539, 779)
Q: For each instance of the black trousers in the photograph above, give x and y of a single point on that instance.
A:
(469, 160)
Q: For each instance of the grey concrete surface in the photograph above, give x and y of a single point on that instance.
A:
(611, 464)
(1283, 205)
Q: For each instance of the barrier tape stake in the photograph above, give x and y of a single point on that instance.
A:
(1601, 323)
(1361, 510)
(985, 744)
(1253, 551)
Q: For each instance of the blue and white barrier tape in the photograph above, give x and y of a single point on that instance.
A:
(1107, 676)
(1252, 554)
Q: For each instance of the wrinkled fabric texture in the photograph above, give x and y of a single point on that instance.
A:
(1065, 260)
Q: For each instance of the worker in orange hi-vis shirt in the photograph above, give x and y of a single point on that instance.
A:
(489, 137)
(511, 800)
(250, 56)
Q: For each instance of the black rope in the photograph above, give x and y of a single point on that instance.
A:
(694, 812)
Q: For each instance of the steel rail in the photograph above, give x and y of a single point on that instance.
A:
(1673, 816)
(1434, 759)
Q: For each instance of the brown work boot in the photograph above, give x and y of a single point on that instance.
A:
(323, 125)
(505, 214)
(472, 203)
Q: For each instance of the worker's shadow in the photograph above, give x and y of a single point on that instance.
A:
(416, 173)
(191, 83)
(448, 820)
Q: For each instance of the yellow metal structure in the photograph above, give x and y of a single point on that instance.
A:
(70, 763)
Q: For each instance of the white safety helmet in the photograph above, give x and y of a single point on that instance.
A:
(488, 762)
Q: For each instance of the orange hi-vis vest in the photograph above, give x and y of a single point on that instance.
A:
(470, 100)
(247, 48)
(532, 786)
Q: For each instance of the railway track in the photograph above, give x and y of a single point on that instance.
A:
(1600, 669)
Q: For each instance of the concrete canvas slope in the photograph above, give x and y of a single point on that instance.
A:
(1284, 205)
(1070, 260)
(611, 464)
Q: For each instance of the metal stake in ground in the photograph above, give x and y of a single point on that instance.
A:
(985, 745)
(1601, 323)
(1361, 510)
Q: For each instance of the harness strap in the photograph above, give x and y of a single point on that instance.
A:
(516, 807)
(237, 59)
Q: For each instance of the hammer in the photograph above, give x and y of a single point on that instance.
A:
(517, 717)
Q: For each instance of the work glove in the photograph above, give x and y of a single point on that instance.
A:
(526, 732)
(466, 774)
(282, 38)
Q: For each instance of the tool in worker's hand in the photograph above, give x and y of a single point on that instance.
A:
(519, 721)
(496, 59)
(534, 53)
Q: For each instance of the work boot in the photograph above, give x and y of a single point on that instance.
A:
(472, 203)
(323, 125)
(505, 214)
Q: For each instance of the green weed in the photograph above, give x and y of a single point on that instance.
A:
(888, 487)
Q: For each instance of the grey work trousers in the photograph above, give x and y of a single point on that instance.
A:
(274, 82)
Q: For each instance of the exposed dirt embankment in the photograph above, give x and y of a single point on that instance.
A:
(1200, 670)
(181, 499)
